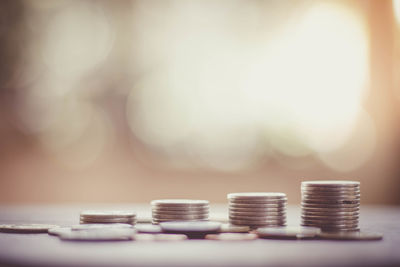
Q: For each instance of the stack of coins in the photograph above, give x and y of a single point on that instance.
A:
(331, 205)
(87, 217)
(257, 209)
(165, 210)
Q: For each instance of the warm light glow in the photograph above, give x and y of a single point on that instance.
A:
(396, 9)
(227, 100)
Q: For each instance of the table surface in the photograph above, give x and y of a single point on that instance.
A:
(46, 250)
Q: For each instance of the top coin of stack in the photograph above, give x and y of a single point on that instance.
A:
(331, 205)
(107, 217)
(165, 210)
(257, 209)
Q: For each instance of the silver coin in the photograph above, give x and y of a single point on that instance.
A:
(330, 192)
(130, 221)
(266, 202)
(320, 196)
(111, 234)
(259, 218)
(256, 225)
(58, 230)
(181, 208)
(148, 228)
(160, 237)
(295, 232)
(330, 214)
(173, 212)
(158, 221)
(334, 206)
(328, 221)
(26, 228)
(355, 235)
(107, 214)
(229, 228)
(330, 201)
(330, 183)
(255, 222)
(324, 226)
(250, 214)
(330, 218)
(330, 210)
(180, 202)
(256, 206)
(90, 226)
(186, 227)
(256, 210)
(256, 195)
(231, 236)
(180, 217)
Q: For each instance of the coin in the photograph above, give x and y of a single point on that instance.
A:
(157, 221)
(314, 196)
(256, 210)
(251, 213)
(25, 228)
(258, 206)
(180, 217)
(330, 201)
(229, 228)
(260, 217)
(58, 230)
(179, 202)
(256, 195)
(350, 236)
(185, 227)
(331, 210)
(331, 183)
(332, 215)
(107, 214)
(148, 228)
(231, 236)
(181, 208)
(129, 221)
(333, 206)
(260, 223)
(255, 202)
(330, 222)
(160, 237)
(179, 212)
(100, 226)
(111, 234)
(288, 232)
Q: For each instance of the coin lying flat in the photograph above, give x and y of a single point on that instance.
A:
(148, 228)
(288, 232)
(329, 210)
(127, 221)
(160, 237)
(281, 206)
(256, 195)
(100, 226)
(180, 216)
(25, 228)
(256, 218)
(231, 236)
(99, 235)
(107, 214)
(258, 210)
(367, 236)
(255, 214)
(180, 212)
(59, 230)
(331, 206)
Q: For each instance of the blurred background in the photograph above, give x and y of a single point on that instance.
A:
(129, 101)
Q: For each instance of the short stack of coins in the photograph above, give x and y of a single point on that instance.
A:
(89, 216)
(257, 209)
(331, 205)
(165, 210)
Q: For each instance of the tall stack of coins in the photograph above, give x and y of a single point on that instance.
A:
(165, 210)
(331, 205)
(107, 217)
(257, 209)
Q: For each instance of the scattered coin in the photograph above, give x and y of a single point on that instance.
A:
(26, 228)
(93, 216)
(110, 234)
(350, 236)
(100, 226)
(231, 236)
(148, 228)
(58, 230)
(288, 232)
(160, 237)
